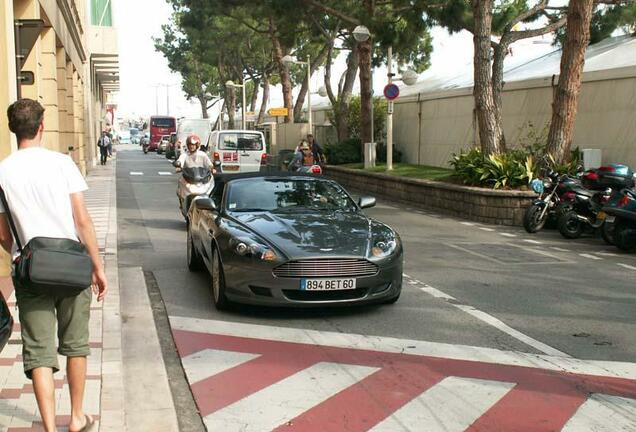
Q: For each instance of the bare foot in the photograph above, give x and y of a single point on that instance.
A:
(82, 424)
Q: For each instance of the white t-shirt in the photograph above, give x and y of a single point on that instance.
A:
(197, 159)
(37, 184)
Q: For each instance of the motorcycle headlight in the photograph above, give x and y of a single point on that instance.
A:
(251, 248)
(537, 185)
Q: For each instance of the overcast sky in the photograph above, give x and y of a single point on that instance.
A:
(142, 68)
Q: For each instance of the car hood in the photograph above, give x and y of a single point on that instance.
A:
(303, 235)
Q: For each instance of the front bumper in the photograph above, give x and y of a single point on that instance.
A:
(256, 285)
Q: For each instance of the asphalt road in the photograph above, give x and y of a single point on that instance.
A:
(577, 297)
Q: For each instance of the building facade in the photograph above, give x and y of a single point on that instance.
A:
(62, 53)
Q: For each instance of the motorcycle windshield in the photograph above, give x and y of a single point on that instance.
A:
(196, 175)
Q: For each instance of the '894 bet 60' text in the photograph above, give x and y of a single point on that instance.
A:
(327, 284)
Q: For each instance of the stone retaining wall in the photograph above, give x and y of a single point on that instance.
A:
(478, 204)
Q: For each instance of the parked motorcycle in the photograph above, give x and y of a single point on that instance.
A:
(620, 215)
(581, 206)
(550, 189)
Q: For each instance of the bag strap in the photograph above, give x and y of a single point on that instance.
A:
(5, 204)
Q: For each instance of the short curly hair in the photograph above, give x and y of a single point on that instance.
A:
(25, 117)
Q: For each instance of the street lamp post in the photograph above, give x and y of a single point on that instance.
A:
(230, 83)
(290, 60)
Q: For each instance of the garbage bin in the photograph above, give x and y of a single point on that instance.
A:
(369, 155)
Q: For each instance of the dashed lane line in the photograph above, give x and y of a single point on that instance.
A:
(589, 256)
(627, 266)
(532, 241)
(164, 173)
(467, 223)
(558, 249)
(494, 322)
(136, 173)
(609, 254)
(486, 229)
(508, 235)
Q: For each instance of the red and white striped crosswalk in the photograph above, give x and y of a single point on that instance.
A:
(259, 378)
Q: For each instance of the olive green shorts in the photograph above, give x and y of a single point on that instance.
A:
(38, 315)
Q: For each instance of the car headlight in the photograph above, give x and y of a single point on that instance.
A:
(250, 248)
(384, 243)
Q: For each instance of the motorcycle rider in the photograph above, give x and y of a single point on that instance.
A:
(304, 158)
(194, 158)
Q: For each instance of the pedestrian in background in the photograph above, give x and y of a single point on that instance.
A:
(44, 195)
(110, 144)
(103, 143)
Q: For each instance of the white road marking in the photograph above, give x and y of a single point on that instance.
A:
(136, 173)
(204, 364)
(165, 173)
(416, 347)
(500, 325)
(450, 406)
(532, 241)
(486, 229)
(467, 223)
(627, 266)
(406, 276)
(287, 399)
(603, 413)
(437, 293)
(559, 249)
(610, 254)
(508, 235)
(588, 256)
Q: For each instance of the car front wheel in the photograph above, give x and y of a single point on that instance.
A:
(218, 282)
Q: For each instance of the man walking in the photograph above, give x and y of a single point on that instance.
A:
(44, 192)
(103, 143)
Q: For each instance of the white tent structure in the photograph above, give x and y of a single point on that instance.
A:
(435, 118)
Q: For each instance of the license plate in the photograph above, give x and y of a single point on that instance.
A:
(230, 168)
(327, 284)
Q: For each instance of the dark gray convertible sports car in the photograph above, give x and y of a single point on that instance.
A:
(292, 240)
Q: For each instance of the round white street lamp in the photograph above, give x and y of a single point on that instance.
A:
(409, 77)
(230, 83)
(288, 60)
(322, 91)
(361, 33)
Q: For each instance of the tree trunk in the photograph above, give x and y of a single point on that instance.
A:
(344, 96)
(366, 95)
(300, 99)
(254, 97)
(204, 106)
(230, 97)
(490, 131)
(283, 72)
(265, 100)
(500, 52)
(219, 118)
(565, 104)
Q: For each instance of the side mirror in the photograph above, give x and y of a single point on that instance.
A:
(366, 202)
(216, 163)
(204, 203)
(176, 164)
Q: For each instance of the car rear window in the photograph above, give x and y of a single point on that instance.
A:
(165, 122)
(240, 141)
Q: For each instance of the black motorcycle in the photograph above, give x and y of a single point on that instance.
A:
(582, 206)
(620, 218)
(550, 189)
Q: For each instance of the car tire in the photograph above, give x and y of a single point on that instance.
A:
(393, 300)
(621, 237)
(218, 282)
(570, 226)
(195, 263)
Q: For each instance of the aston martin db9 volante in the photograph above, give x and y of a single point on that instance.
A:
(292, 240)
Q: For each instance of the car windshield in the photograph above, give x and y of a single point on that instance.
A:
(287, 195)
(240, 141)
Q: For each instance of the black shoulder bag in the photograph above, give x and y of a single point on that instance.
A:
(51, 266)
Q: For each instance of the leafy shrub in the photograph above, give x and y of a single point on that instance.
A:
(508, 170)
(348, 151)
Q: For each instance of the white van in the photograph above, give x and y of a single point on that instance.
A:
(238, 150)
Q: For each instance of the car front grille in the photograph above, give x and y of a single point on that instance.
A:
(318, 296)
(325, 268)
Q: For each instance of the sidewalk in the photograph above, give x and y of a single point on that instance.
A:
(105, 397)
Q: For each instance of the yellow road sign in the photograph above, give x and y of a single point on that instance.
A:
(276, 112)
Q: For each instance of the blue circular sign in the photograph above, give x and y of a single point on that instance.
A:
(391, 91)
